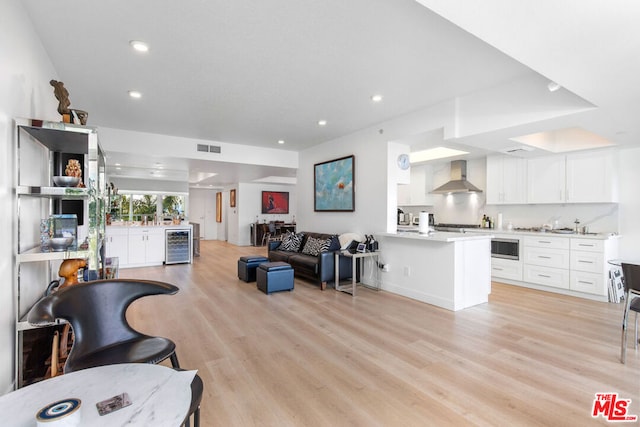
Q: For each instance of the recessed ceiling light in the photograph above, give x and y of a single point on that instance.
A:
(135, 94)
(553, 86)
(322, 122)
(280, 142)
(117, 164)
(118, 168)
(139, 46)
(376, 98)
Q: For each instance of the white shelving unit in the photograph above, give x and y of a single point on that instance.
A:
(37, 142)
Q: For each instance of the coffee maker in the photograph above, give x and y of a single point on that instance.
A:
(400, 216)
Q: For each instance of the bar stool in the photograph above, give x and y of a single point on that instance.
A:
(631, 274)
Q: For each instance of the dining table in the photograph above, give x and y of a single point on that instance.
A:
(159, 396)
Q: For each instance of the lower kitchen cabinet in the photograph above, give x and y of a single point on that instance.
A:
(546, 261)
(565, 264)
(146, 246)
(547, 276)
(506, 269)
(117, 244)
(589, 268)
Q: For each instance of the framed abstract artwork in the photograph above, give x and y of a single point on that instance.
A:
(333, 183)
(218, 207)
(232, 198)
(275, 202)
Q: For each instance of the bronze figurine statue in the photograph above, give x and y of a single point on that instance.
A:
(62, 95)
(69, 115)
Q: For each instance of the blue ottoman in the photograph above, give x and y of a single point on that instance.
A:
(247, 267)
(274, 277)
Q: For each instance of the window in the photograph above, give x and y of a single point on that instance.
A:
(129, 206)
(144, 204)
(173, 205)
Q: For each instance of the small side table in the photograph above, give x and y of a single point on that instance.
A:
(351, 288)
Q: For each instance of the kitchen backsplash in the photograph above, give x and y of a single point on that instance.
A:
(469, 208)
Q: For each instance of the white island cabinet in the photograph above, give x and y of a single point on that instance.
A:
(448, 270)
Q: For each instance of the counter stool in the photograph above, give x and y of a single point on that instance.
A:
(274, 277)
(247, 267)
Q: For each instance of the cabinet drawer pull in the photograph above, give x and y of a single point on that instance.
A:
(498, 268)
(544, 257)
(544, 241)
(585, 262)
(584, 282)
(587, 245)
(544, 275)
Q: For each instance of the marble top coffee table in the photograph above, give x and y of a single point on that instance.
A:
(160, 396)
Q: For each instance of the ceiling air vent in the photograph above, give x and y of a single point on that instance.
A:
(520, 149)
(209, 148)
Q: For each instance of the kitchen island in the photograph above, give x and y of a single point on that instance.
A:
(445, 269)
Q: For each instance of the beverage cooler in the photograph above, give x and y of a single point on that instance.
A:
(178, 246)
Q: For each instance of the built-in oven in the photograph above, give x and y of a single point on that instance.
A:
(505, 248)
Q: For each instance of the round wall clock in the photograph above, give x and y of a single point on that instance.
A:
(403, 161)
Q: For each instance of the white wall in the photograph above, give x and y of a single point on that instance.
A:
(24, 92)
(249, 209)
(370, 167)
(372, 161)
(202, 210)
(629, 203)
(144, 143)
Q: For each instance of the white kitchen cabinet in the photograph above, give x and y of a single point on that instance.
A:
(506, 269)
(584, 177)
(146, 246)
(589, 268)
(591, 177)
(117, 244)
(417, 192)
(506, 180)
(547, 261)
(546, 180)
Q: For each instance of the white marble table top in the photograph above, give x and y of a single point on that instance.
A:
(160, 396)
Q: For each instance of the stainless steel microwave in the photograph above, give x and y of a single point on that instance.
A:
(505, 248)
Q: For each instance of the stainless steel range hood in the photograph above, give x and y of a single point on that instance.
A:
(458, 182)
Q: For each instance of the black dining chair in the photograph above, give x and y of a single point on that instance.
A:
(631, 275)
(197, 389)
(97, 313)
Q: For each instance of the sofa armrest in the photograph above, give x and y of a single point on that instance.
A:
(326, 266)
(273, 245)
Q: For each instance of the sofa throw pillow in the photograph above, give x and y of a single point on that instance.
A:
(334, 244)
(347, 238)
(291, 242)
(314, 246)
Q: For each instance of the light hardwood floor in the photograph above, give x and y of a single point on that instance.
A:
(313, 358)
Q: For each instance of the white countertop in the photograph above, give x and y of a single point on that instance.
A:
(138, 225)
(595, 236)
(438, 236)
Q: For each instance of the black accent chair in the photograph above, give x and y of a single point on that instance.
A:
(631, 275)
(197, 388)
(97, 313)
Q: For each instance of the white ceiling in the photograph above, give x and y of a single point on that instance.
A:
(255, 72)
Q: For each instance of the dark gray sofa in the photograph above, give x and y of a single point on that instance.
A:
(319, 269)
